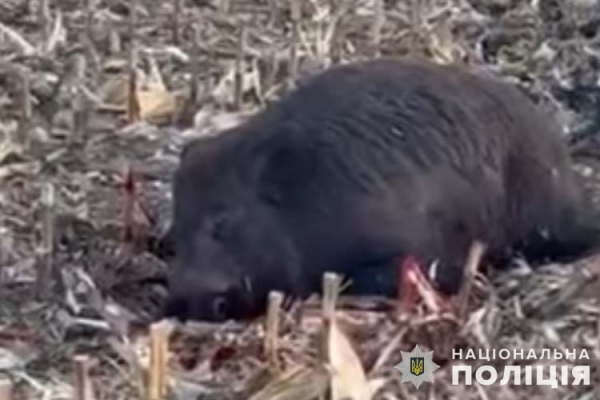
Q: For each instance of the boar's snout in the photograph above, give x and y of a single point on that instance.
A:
(196, 296)
(185, 307)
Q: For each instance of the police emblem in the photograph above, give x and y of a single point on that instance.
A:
(417, 366)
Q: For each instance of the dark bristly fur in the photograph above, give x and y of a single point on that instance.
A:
(361, 164)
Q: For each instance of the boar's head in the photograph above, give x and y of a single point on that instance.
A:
(231, 245)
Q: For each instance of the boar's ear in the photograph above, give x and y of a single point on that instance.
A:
(204, 149)
(287, 169)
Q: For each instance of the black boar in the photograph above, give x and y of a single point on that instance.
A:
(361, 164)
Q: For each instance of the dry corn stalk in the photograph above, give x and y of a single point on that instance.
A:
(157, 378)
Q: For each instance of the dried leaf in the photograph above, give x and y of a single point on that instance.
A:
(8, 146)
(26, 48)
(29, 168)
(10, 360)
(114, 91)
(298, 383)
(58, 35)
(154, 100)
(348, 376)
(155, 104)
(6, 388)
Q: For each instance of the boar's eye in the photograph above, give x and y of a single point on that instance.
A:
(220, 307)
(220, 228)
